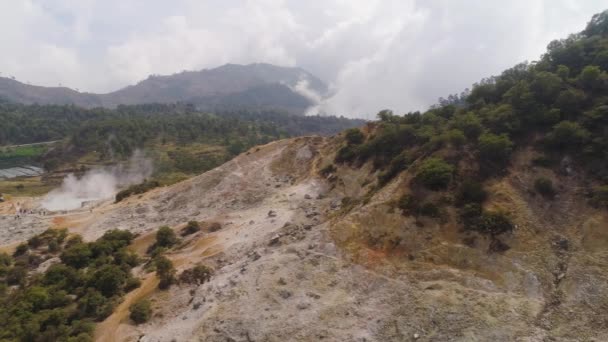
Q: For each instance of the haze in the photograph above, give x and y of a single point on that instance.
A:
(401, 55)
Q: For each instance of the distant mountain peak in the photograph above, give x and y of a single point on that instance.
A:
(230, 86)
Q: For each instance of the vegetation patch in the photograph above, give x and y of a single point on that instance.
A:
(137, 189)
(63, 302)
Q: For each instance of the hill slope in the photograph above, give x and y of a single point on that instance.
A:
(261, 86)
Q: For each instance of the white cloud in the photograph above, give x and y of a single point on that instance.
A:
(399, 54)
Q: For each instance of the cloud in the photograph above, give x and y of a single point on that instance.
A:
(375, 54)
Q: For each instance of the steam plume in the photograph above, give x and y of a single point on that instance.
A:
(98, 184)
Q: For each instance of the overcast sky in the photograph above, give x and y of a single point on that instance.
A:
(375, 54)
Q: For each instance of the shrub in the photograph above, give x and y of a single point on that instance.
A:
(470, 125)
(430, 210)
(567, 135)
(398, 164)
(136, 189)
(165, 237)
(132, 283)
(435, 174)
(354, 136)
(20, 250)
(62, 277)
(191, 228)
(471, 192)
(196, 275)
(54, 246)
(544, 186)
(495, 148)
(34, 242)
(165, 271)
(408, 204)
(345, 154)
(141, 311)
(94, 304)
(16, 275)
(456, 137)
(491, 223)
(77, 256)
(109, 280)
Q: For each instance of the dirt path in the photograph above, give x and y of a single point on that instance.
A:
(112, 328)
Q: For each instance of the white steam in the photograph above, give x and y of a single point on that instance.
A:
(97, 184)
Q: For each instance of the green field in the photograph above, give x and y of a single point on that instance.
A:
(19, 155)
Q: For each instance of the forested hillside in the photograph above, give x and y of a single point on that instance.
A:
(180, 139)
(558, 105)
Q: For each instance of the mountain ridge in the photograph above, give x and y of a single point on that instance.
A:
(230, 86)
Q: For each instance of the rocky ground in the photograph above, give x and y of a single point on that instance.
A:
(296, 261)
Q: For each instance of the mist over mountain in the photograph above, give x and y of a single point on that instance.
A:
(229, 87)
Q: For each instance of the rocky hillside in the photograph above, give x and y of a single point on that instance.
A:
(229, 87)
(302, 251)
(480, 220)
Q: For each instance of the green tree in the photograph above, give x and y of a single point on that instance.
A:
(598, 25)
(77, 255)
(109, 280)
(546, 86)
(165, 237)
(495, 148)
(435, 173)
(469, 124)
(591, 77)
(567, 135)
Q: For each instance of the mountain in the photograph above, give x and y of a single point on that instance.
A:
(229, 87)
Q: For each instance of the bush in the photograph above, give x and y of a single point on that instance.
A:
(16, 275)
(398, 164)
(430, 210)
(141, 311)
(191, 228)
(62, 277)
(109, 280)
(20, 250)
(94, 304)
(495, 148)
(354, 136)
(544, 186)
(435, 174)
(471, 192)
(456, 137)
(165, 271)
(567, 135)
(408, 204)
(34, 242)
(470, 125)
(165, 237)
(77, 256)
(491, 223)
(196, 275)
(345, 154)
(132, 283)
(136, 189)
